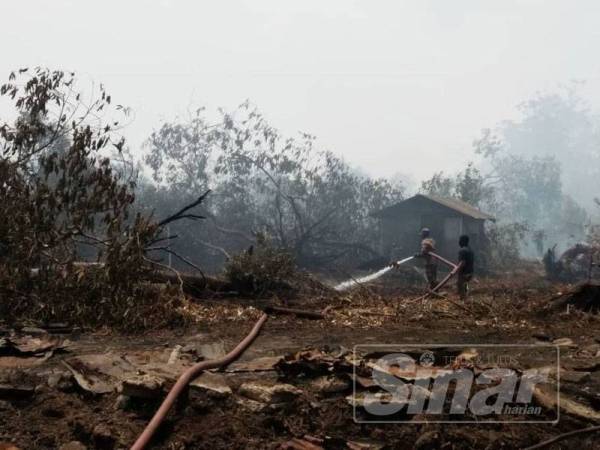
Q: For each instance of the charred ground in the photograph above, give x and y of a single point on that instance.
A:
(46, 407)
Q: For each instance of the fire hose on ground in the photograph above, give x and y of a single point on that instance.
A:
(187, 377)
(194, 371)
(447, 278)
(454, 271)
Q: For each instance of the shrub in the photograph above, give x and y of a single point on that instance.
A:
(261, 269)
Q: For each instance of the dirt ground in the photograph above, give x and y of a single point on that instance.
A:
(42, 405)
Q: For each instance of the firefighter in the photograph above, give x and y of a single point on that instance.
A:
(466, 260)
(427, 246)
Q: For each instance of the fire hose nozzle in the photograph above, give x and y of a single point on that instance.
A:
(400, 262)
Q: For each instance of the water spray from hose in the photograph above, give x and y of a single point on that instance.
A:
(366, 279)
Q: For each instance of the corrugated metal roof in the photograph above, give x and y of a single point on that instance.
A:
(452, 203)
(460, 206)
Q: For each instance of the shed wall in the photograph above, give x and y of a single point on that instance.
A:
(400, 235)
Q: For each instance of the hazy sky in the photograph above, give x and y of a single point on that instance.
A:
(393, 86)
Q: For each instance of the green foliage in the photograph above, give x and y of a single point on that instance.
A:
(58, 185)
(439, 185)
(559, 125)
(178, 154)
(260, 270)
(503, 250)
(544, 167)
(469, 186)
(528, 189)
(61, 191)
(520, 177)
(308, 201)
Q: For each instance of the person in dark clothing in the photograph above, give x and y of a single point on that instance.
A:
(466, 260)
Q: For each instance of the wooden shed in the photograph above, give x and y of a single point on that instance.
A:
(447, 218)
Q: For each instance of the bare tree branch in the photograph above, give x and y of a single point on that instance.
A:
(181, 213)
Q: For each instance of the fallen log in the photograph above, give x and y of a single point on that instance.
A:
(551, 400)
(296, 312)
(563, 436)
(191, 284)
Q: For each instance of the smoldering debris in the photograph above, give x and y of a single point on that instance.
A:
(583, 296)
